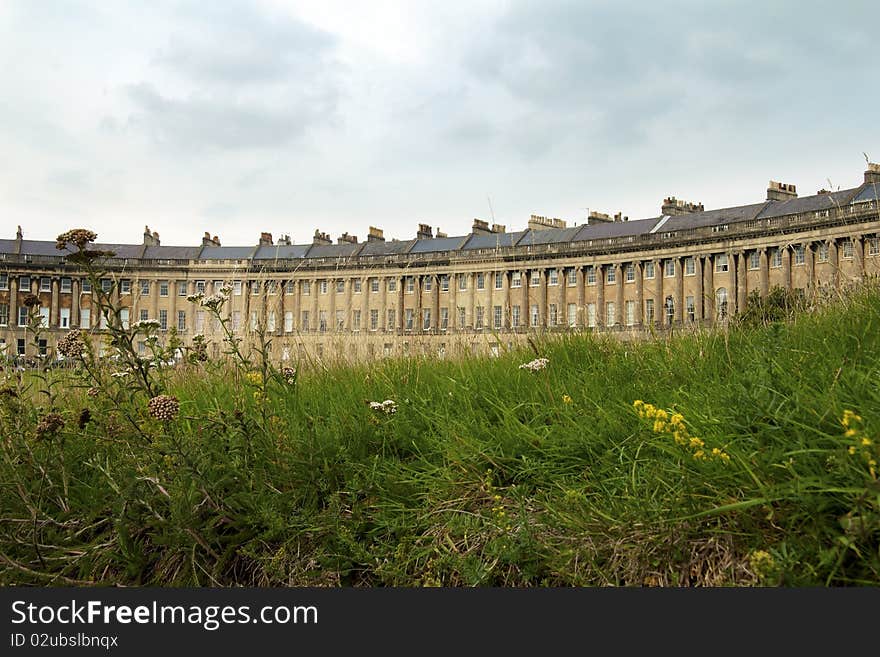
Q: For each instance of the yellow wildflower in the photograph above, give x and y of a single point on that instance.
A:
(851, 450)
(696, 442)
(566, 399)
(866, 442)
(849, 433)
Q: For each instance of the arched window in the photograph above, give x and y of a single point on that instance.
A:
(670, 309)
(721, 302)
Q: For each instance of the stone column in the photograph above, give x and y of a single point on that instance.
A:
(600, 296)
(562, 298)
(678, 316)
(640, 294)
(618, 303)
(13, 305)
(659, 301)
(698, 293)
(786, 267)
(742, 282)
(473, 304)
(314, 324)
(834, 261)
(331, 313)
(810, 266)
(859, 255)
(581, 297)
(417, 324)
(297, 305)
(74, 303)
(542, 297)
(764, 264)
(709, 288)
(54, 321)
(401, 291)
(435, 310)
(489, 315)
(524, 317)
(733, 283)
(453, 301)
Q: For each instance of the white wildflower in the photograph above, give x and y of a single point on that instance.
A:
(145, 325)
(389, 407)
(535, 365)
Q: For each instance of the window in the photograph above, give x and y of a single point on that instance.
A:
(182, 288)
(572, 277)
(392, 320)
(409, 319)
(799, 254)
(42, 346)
(462, 317)
(478, 319)
(200, 321)
(142, 348)
(306, 287)
(236, 288)
(340, 287)
(669, 307)
(66, 284)
(691, 309)
(24, 284)
(288, 287)
(374, 285)
(410, 284)
(45, 284)
(591, 315)
(776, 257)
(481, 281)
(721, 264)
(444, 318)
(255, 320)
(572, 314)
(754, 260)
(22, 316)
(4, 314)
(591, 275)
(610, 313)
(499, 281)
(271, 323)
(125, 286)
(534, 278)
(356, 286)
(515, 311)
(516, 279)
(355, 320)
(144, 315)
(721, 302)
(649, 269)
(304, 320)
(553, 315)
(322, 321)
(630, 272)
(444, 283)
(611, 274)
(630, 309)
(20, 346)
(873, 246)
(428, 283)
(4, 281)
(392, 284)
(86, 287)
(534, 314)
(256, 288)
(124, 316)
(690, 266)
(426, 318)
(374, 319)
(163, 320)
(181, 320)
(163, 288)
(649, 311)
(553, 277)
(236, 320)
(669, 268)
(462, 281)
(497, 316)
(847, 249)
(106, 285)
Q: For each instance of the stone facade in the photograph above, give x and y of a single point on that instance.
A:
(474, 293)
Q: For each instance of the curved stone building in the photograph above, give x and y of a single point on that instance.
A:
(476, 292)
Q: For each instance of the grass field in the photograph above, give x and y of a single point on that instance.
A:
(750, 461)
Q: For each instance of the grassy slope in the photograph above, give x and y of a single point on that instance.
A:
(486, 475)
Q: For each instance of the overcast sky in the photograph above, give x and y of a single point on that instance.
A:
(287, 116)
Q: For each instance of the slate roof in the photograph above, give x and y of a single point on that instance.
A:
(493, 240)
(435, 244)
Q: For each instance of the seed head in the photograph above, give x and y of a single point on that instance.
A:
(50, 423)
(79, 237)
(164, 407)
(31, 301)
(71, 345)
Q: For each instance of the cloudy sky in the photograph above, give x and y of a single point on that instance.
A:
(287, 116)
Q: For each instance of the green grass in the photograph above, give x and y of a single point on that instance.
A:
(485, 476)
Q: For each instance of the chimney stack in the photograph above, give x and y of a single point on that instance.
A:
(375, 235)
(424, 232)
(872, 173)
(598, 218)
(480, 227)
(266, 239)
(499, 228)
(321, 238)
(207, 240)
(778, 191)
(439, 233)
(673, 206)
(284, 240)
(150, 239)
(538, 222)
(345, 238)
